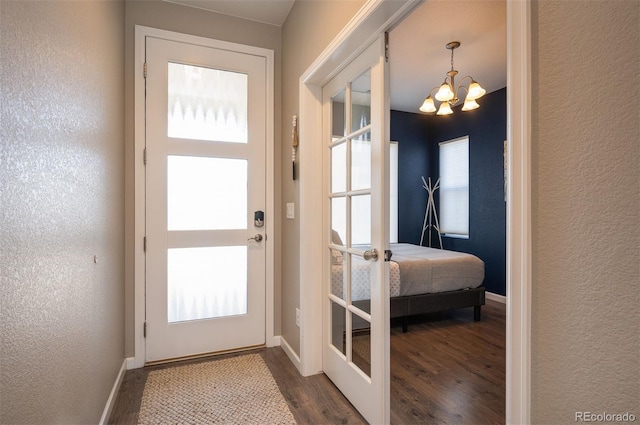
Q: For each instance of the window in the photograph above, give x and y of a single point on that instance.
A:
(454, 187)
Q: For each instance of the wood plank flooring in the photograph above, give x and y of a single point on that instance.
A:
(447, 369)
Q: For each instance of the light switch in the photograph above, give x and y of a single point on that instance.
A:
(290, 210)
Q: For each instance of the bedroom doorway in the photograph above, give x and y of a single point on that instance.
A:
(445, 347)
(375, 16)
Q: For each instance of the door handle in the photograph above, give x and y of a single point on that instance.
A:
(257, 238)
(371, 255)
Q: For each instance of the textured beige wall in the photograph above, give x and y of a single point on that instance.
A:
(308, 30)
(586, 144)
(62, 315)
(188, 20)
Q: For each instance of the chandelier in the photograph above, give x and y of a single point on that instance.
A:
(448, 92)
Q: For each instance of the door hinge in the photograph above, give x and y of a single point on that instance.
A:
(144, 70)
(144, 244)
(386, 47)
(144, 156)
(144, 330)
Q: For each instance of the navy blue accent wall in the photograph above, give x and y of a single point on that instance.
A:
(411, 131)
(418, 136)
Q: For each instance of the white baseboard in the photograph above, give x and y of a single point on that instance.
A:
(106, 413)
(495, 297)
(295, 359)
(131, 363)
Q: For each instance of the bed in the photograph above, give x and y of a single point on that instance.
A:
(422, 280)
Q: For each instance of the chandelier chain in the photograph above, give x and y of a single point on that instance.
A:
(452, 59)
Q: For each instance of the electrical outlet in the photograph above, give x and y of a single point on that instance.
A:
(291, 212)
(297, 317)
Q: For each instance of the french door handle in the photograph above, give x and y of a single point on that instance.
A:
(257, 238)
(371, 255)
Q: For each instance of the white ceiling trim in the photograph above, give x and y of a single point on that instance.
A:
(264, 11)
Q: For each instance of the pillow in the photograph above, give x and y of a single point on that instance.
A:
(335, 238)
(336, 257)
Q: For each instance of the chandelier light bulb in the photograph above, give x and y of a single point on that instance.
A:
(470, 104)
(445, 109)
(444, 93)
(475, 91)
(428, 105)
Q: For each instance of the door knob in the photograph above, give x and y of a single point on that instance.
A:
(257, 238)
(371, 255)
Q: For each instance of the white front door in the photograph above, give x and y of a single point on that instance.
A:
(356, 283)
(205, 189)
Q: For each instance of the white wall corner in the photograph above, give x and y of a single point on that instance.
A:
(111, 401)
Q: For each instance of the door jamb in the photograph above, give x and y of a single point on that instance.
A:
(141, 32)
(346, 46)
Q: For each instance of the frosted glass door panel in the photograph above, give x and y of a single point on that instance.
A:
(207, 104)
(205, 283)
(206, 193)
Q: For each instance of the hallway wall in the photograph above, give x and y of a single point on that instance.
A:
(586, 202)
(308, 30)
(61, 198)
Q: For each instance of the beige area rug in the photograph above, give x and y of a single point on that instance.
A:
(236, 390)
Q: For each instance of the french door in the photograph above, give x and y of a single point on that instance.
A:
(205, 199)
(356, 279)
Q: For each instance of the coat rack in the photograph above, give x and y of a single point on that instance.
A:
(430, 214)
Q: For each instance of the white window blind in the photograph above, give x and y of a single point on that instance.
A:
(454, 187)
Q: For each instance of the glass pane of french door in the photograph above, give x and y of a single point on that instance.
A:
(350, 199)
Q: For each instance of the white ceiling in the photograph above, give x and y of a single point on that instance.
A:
(419, 59)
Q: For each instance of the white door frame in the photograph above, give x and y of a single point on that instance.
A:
(141, 33)
(375, 17)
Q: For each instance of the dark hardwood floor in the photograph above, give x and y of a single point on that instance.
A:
(447, 369)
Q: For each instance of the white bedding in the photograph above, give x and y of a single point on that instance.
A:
(413, 270)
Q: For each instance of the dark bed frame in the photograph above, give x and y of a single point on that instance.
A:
(432, 303)
(411, 305)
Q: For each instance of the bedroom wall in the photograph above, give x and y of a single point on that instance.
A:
(585, 209)
(487, 131)
(308, 30)
(411, 131)
(61, 191)
(418, 136)
(199, 22)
